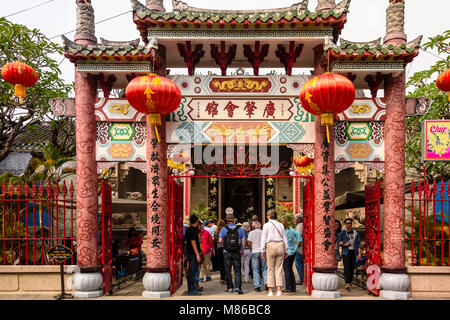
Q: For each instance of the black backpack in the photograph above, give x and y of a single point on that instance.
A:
(231, 243)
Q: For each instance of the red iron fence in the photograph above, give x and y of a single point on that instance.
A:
(33, 218)
(427, 223)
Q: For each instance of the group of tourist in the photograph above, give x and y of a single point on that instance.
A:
(267, 253)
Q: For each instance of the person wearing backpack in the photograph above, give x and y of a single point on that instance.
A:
(350, 242)
(233, 238)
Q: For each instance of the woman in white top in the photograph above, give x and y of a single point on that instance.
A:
(275, 250)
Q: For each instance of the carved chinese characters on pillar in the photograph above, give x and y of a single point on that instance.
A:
(324, 198)
(394, 192)
(157, 224)
(87, 186)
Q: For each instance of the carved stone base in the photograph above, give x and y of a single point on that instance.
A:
(87, 285)
(156, 285)
(394, 285)
(156, 294)
(397, 295)
(325, 294)
(325, 285)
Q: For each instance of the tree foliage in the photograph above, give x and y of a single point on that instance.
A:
(17, 42)
(424, 84)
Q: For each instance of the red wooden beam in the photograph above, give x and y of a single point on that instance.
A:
(131, 76)
(288, 58)
(192, 58)
(350, 76)
(374, 84)
(106, 84)
(222, 58)
(256, 57)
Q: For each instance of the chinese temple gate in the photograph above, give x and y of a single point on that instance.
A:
(243, 111)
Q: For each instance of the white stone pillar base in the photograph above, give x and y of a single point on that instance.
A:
(325, 294)
(394, 286)
(325, 285)
(397, 295)
(87, 285)
(156, 285)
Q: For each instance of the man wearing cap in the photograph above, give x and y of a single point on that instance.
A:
(232, 257)
(299, 253)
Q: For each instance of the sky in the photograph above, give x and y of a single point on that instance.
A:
(366, 20)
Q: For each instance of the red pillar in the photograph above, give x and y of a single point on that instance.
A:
(324, 199)
(394, 281)
(86, 172)
(157, 215)
(394, 168)
(88, 281)
(325, 280)
(157, 278)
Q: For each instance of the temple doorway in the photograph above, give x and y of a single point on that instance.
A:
(244, 196)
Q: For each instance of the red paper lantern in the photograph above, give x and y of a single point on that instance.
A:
(443, 82)
(153, 95)
(326, 95)
(21, 76)
(302, 161)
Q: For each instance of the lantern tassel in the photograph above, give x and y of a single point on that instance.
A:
(449, 96)
(20, 91)
(326, 119)
(328, 135)
(157, 134)
(155, 120)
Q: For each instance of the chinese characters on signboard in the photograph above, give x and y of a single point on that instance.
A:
(243, 109)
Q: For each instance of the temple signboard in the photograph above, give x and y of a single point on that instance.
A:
(240, 109)
(436, 140)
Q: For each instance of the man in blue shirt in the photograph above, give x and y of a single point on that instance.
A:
(233, 238)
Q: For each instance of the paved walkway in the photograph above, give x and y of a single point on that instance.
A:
(213, 290)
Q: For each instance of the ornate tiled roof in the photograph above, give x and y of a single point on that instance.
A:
(119, 51)
(373, 50)
(184, 15)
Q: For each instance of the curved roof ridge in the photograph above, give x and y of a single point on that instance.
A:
(347, 43)
(133, 43)
(180, 6)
